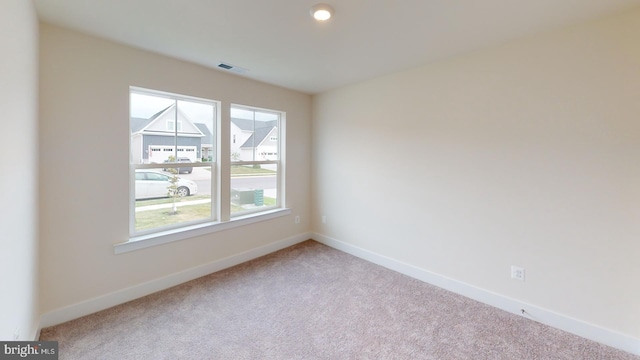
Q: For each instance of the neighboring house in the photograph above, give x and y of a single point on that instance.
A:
(206, 143)
(153, 139)
(254, 144)
(241, 130)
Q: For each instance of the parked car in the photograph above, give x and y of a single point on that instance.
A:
(187, 169)
(155, 184)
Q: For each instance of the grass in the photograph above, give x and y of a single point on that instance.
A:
(163, 217)
(268, 201)
(249, 170)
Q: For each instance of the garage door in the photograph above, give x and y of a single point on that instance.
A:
(161, 153)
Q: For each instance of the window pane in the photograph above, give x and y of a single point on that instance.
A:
(254, 135)
(164, 197)
(253, 187)
(156, 139)
(177, 133)
(253, 142)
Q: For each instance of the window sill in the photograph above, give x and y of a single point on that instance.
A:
(163, 237)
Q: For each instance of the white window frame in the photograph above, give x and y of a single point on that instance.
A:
(134, 234)
(221, 218)
(279, 162)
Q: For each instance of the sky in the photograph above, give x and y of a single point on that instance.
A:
(144, 106)
(198, 111)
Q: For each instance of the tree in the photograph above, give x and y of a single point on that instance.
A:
(172, 189)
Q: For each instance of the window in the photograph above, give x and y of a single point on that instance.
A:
(255, 164)
(175, 171)
(172, 184)
(171, 125)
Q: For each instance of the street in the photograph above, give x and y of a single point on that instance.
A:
(202, 178)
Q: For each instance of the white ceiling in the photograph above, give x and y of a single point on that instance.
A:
(279, 43)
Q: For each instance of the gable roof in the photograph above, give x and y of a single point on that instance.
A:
(208, 136)
(258, 136)
(141, 125)
(243, 124)
(137, 124)
(262, 129)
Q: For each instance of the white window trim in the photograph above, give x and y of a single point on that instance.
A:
(145, 240)
(213, 165)
(281, 199)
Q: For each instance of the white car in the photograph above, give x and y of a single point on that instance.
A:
(155, 184)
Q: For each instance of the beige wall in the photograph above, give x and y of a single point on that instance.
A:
(526, 154)
(18, 177)
(84, 129)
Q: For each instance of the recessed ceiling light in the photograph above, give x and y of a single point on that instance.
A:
(321, 12)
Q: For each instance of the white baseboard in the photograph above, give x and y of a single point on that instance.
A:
(578, 327)
(91, 306)
(35, 334)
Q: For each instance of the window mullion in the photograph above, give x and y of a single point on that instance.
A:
(256, 184)
(175, 131)
(223, 164)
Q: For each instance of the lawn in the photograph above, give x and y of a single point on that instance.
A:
(250, 170)
(163, 217)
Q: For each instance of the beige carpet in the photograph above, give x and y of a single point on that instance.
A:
(313, 302)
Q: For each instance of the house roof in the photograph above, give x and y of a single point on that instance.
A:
(262, 129)
(138, 124)
(208, 136)
(260, 134)
(141, 124)
(243, 124)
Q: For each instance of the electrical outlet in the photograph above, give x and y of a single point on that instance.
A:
(517, 273)
(324, 219)
(297, 219)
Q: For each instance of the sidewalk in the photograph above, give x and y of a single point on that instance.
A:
(170, 205)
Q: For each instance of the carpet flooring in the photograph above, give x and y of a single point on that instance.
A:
(310, 301)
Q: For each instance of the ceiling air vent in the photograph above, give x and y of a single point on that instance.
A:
(235, 69)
